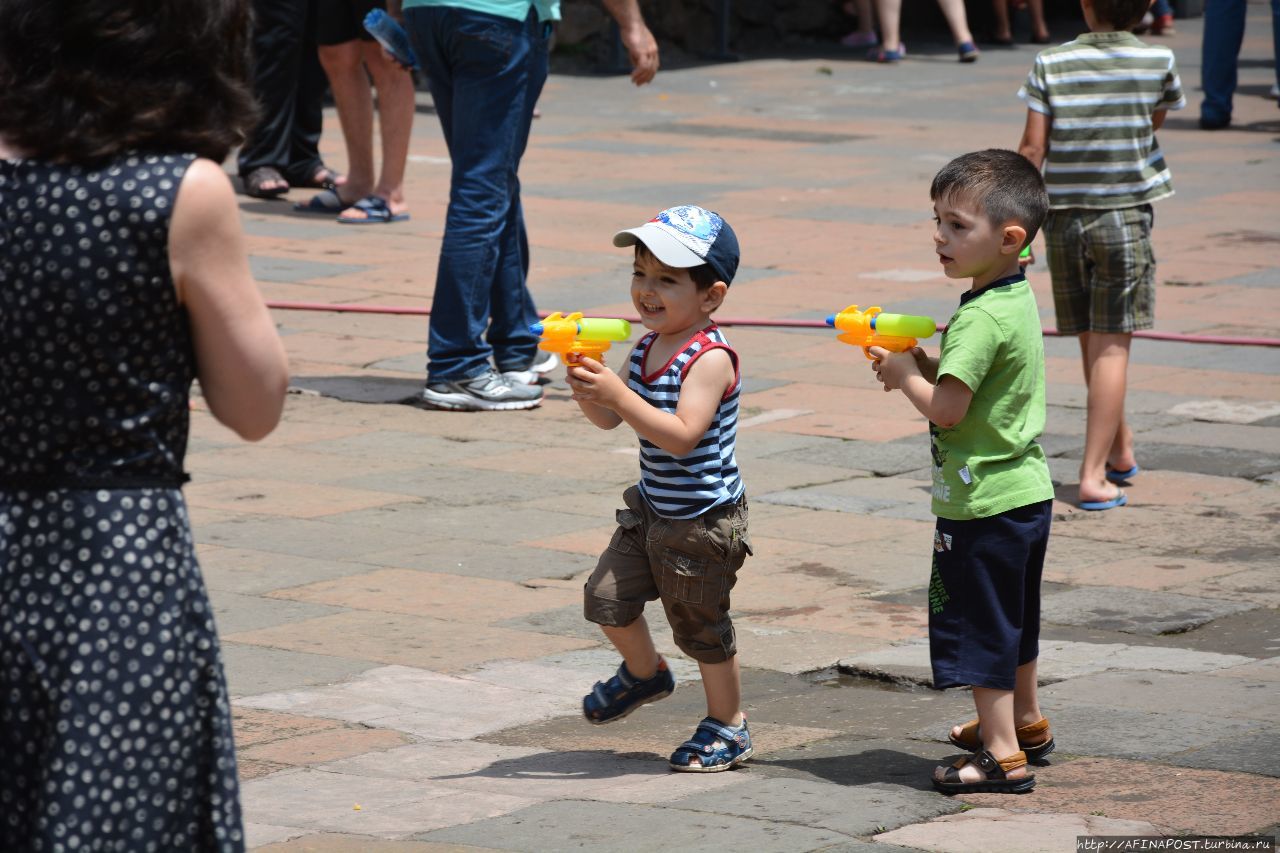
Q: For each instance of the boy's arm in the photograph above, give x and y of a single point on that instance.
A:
(1157, 119)
(944, 404)
(679, 433)
(1035, 137)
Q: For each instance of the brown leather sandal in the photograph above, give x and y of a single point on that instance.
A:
(996, 770)
(1035, 739)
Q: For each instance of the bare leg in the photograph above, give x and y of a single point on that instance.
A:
(1004, 31)
(890, 13)
(1106, 366)
(953, 11)
(866, 17)
(395, 123)
(354, 100)
(1026, 699)
(1039, 29)
(995, 716)
(723, 685)
(635, 644)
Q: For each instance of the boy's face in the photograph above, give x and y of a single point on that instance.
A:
(668, 299)
(968, 245)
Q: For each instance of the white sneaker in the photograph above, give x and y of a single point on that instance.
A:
(488, 392)
(540, 367)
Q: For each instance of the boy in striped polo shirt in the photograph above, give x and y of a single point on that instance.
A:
(1093, 106)
(683, 534)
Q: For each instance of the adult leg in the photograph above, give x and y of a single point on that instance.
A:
(1039, 27)
(1003, 28)
(489, 77)
(343, 65)
(395, 122)
(953, 11)
(1219, 53)
(889, 12)
(1275, 39)
(512, 307)
(278, 36)
(304, 165)
(1106, 367)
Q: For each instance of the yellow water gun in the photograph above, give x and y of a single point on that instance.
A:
(873, 328)
(575, 335)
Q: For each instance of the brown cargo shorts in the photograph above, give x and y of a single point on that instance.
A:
(691, 564)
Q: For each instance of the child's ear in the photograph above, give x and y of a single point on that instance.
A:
(1012, 239)
(713, 296)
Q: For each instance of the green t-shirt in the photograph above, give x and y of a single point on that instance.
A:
(990, 462)
(548, 10)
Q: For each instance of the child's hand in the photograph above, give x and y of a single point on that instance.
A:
(591, 381)
(893, 368)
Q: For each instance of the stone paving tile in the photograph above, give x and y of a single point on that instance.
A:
(1194, 693)
(860, 810)
(251, 572)
(427, 704)
(429, 594)
(829, 528)
(408, 640)
(329, 539)
(366, 805)
(1175, 800)
(236, 613)
(254, 726)
(332, 842)
(569, 824)
(325, 746)
(1059, 660)
(500, 562)
(429, 522)
(1134, 611)
(465, 487)
(1002, 829)
(257, 669)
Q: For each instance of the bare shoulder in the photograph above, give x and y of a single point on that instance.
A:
(206, 190)
(715, 366)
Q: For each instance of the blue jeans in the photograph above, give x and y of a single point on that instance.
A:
(1220, 53)
(485, 73)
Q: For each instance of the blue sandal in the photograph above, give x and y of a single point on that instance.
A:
(614, 699)
(376, 211)
(714, 747)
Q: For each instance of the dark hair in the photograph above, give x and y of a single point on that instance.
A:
(83, 81)
(703, 275)
(1120, 14)
(1004, 183)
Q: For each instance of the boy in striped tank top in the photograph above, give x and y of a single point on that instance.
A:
(683, 534)
(1093, 107)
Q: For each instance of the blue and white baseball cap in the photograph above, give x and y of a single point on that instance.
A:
(687, 236)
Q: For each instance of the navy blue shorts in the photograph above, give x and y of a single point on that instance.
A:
(984, 596)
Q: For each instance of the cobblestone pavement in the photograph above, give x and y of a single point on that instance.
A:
(399, 590)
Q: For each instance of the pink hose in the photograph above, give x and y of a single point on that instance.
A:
(756, 321)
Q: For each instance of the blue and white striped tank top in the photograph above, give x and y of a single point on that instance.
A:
(688, 486)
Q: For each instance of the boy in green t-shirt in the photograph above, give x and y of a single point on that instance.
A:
(984, 398)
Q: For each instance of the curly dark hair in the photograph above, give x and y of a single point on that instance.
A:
(83, 81)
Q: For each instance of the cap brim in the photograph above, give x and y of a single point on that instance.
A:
(664, 247)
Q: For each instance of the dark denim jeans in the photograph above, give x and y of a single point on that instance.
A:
(485, 74)
(1220, 53)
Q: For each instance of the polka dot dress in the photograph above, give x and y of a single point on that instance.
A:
(115, 727)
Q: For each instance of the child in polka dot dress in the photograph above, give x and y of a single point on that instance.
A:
(123, 276)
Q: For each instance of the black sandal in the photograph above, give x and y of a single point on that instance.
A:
(997, 780)
(253, 183)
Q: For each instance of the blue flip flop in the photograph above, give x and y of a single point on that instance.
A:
(376, 211)
(1118, 500)
(1122, 476)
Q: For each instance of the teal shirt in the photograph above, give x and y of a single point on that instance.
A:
(548, 10)
(990, 462)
